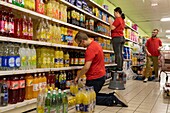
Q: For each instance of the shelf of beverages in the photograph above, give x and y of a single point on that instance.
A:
(62, 22)
(83, 11)
(127, 26)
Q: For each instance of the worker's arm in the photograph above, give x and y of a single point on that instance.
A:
(83, 71)
(112, 27)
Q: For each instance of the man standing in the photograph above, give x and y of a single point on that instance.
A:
(153, 47)
(94, 69)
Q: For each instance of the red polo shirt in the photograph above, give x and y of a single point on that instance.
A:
(94, 53)
(152, 45)
(119, 23)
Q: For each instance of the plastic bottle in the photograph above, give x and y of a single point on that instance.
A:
(40, 101)
(86, 101)
(64, 80)
(66, 60)
(1, 54)
(30, 29)
(79, 102)
(54, 102)
(32, 57)
(61, 55)
(13, 91)
(17, 56)
(28, 57)
(60, 102)
(22, 56)
(3, 20)
(48, 79)
(23, 28)
(11, 57)
(4, 56)
(68, 80)
(44, 81)
(11, 25)
(29, 87)
(52, 80)
(40, 79)
(39, 6)
(4, 93)
(21, 88)
(35, 86)
(6, 15)
(48, 102)
(65, 102)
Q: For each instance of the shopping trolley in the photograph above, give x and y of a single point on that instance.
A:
(164, 63)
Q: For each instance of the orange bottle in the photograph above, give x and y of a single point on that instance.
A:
(35, 86)
(29, 87)
(40, 81)
(44, 81)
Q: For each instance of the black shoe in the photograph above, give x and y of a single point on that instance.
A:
(119, 100)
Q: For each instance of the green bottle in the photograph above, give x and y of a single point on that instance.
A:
(60, 102)
(65, 102)
(54, 102)
(48, 102)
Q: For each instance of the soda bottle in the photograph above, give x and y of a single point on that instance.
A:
(52, 80)
(48, 102)
(13, 91)
(57, 79)
(29, 87)
(22, 56)
(28, 57)
(4, 93)
(23, 28)
(17, 28)
(65, 102)
(30, 29)
(60, 102)
(3, 20)
(48, 79)
(6, 28)
(11, 25)
(4, 55)
(17, 56)
(44, 80)
(1, 54)
(54, 102)
(11, 57)
(35, 86)
(33, 57)
(21, 88)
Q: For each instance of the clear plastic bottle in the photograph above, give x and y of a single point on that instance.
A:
(17, 57)
(5, 56)
(30, 29)
(53, 102)
(33, 57)
(4, 93)
(21, 88)
(65, 102)
(1, 54)
(60, 102)
(11, 57)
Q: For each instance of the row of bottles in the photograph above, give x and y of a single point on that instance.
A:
(52, 101)
(15, 27)
(104, 43)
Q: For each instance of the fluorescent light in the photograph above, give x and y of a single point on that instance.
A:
(154, 4)
(167, 31)
(165, 19)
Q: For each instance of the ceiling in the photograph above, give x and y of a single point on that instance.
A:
(145, 16)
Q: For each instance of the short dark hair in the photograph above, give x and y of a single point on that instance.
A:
(81, 36)
(156, 30)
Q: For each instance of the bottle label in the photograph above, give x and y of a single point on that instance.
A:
(35, 87)
(81, 60)
(14, 85)
(40, 85)
(0, 61)
(86, 108)
(23, 61)
(61, 60)
(4, 61)
(76, 61)
(24, 29)
(11, 61)
(57, 61)
(5, 98)
(11, 27)
(30, 31)
(22, 84)
(44, 84)
(17, 61)
(8, 84)
(72, 60)
(2, 26)
(66, 61)
(29, 82)
(79, 107)
(6, 27)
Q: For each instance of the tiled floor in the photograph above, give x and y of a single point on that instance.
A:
(141, 98)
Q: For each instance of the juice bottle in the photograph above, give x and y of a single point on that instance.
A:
(11, 25)
(48, 79)
(40, 80)
(86, 101)
(16, 28)
(61, 55)
(23, 28)
(44, 80)
(39, 6)
(29, 87)
(35, 86)
(66, 60)
(52, 80)
(57, 79)
(61, 80)
(65, 102)
(4, 92)
(13, 91)
(57, 58)
(21, 88)
(79, 102)
(30, 29)
(49, 9)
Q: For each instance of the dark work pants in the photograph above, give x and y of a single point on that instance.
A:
(118, 44)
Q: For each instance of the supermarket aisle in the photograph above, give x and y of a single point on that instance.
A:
(141, 97)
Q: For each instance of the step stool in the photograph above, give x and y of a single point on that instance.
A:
(117, 82)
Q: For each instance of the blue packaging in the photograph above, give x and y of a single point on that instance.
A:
(78, 3)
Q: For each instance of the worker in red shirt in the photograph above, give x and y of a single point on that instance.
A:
(153, 47)
(118, 39)
(94, 69)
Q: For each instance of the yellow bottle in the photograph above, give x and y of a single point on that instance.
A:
(35, 86)
(79, 101)
(94, 100)
(29, 87)
(44, 81)
(66, 60)
(57, 58)
(86, 101)
(61, 56)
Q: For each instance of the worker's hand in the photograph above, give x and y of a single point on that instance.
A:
(76, 80)
(148, 54)
(159, 48)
